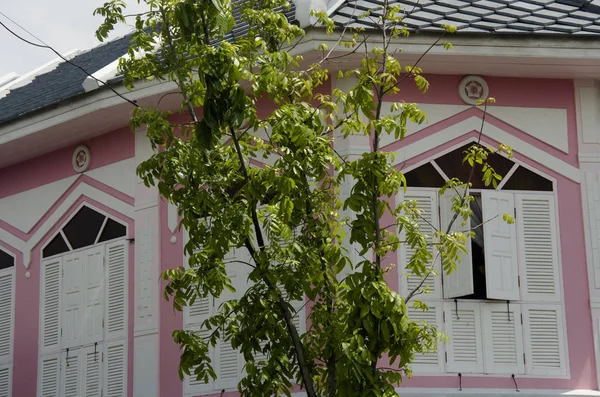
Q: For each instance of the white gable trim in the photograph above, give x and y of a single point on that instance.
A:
(474, 124)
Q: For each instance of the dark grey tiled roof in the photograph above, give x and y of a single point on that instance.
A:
(65, 81)
(481, 16)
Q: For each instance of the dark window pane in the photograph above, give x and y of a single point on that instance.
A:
(56, 246)
(424, 176)
(452, 164)
(83, 229)
(6, 260)
(523, 179)
(112, 230)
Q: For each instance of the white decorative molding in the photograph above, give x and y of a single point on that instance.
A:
(547, 125)
(23, 210)
(591, 194)
(303, 9)
(588, 102)
(146, 269)
(81, 158)
(589, 157)
(473, 89)
(146, 365)
(172, 217)
(119, 175)
(474, 124)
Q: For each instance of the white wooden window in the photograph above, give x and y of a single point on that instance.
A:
(83, 338)
(7, 321)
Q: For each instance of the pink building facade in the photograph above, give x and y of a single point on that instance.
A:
(83, 241)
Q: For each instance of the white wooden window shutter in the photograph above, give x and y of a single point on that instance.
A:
(463, 327)
(538, 246)
(72, 298)
(71, 373)
(428, 362)
(92, 371)
(116, 290)
(7, 282)
(427, 202)
(5, 380)
(93, 307)
(51, 280)
(500, 246)
(115, 369)
(49, 376)
(545, 343)
(460, 281)
(503, 338)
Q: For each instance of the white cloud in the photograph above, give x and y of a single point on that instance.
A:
(63, 24)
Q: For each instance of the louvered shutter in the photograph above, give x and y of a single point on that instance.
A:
(5, 380)
(92, 371)
(429, 362)
(460, 281)
(500, 246)
(464, 349)
(71, 373)
(545, 350)
(503, 338)
(51, 321)
(72, 298)
(49, 376)
(6, 315)
(93, 313)
(538, 247)
(115, 369)
(116, 290)
(193, 386)
(427, 202)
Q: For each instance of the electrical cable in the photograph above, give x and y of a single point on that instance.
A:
(44, 45)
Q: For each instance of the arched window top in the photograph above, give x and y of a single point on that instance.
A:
(6, 260)
(87, 227)
(450, 165)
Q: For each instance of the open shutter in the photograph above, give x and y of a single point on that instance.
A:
(71, 373)
(92, 371)
(538, 246)
(5, 380)
(460, 281)
(6, 316)
(428, 204)
(72, 295)
(49, 376)
(545, 350)
(429, 362)
(463, 327)
(503, 338)
(50, 324)
(115, 369)
(93, 314)
(116, 290)
(500, 246)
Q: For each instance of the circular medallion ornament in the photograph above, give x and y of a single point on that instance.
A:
(473, 89)
(81, 158)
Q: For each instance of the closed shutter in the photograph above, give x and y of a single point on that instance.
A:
(115, 369)
(460, 281)
(5, 381)
(49, 376)
(6, 315)
(72, 295)
(429, 221)
(50, 324)
(463, 327)
(71, 373)
(116, 290)
(93, 314)
(92, 371)
(193, 386)
(428, 362)
(545, 341)
(500, 246)
(503, 338)
(538, 246)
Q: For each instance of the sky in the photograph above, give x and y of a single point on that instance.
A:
(65, 25)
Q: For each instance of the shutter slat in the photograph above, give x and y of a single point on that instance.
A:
(116, 276)
(426, 362)
(6, 315)
(51, 281)
(545, 340)
(464, 330)
(49, 376)
(5, 380)
(92, 372)
(71, 373)
(115, 369)
(503, 340)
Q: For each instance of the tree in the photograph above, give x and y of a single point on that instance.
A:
(289, 214)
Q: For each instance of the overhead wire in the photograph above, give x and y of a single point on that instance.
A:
(44, 45)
